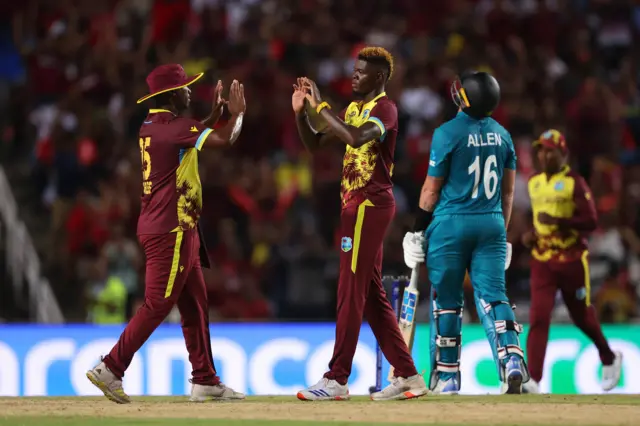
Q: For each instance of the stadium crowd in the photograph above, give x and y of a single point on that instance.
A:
(72, 71)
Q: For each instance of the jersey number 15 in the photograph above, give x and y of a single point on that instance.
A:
(489, 176)
(146, 165)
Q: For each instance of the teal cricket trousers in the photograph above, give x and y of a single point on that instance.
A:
(455, 244)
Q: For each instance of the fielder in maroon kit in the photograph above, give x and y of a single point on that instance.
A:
(169, 233)
(368, 128)
(564, 214)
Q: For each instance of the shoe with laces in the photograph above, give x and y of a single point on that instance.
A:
(108, 383)
(402, 388)
(325, 390)
(219, 392)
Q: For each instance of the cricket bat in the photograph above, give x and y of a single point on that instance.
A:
(407, 312)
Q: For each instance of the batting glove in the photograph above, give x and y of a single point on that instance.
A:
(508, 260)
(413, 245)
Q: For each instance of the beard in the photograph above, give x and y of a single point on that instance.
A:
(552, 167)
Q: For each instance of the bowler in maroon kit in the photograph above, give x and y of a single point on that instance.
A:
(169, 233)
(564, 214)
(368, 128)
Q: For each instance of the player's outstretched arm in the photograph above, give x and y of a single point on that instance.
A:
(228, 134)
(218, 106)
(349, 135)
(508, 190)
(311, 139)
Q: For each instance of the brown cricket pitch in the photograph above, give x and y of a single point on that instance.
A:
(610, 410)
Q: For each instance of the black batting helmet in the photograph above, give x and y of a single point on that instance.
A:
(477, 93)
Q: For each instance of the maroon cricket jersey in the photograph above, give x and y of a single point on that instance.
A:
(367, 170)
(171, 189)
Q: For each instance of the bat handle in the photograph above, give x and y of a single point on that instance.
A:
(415, 275)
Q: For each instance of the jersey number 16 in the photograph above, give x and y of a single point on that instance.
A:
(489, 176)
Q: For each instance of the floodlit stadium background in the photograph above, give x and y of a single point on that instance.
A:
(70, 181)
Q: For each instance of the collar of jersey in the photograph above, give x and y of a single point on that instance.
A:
(158, 110)
(374, 99)
(563, 171)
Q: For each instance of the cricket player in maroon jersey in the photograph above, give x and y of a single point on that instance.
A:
(563, 216)
(368, 128)
(169, 233)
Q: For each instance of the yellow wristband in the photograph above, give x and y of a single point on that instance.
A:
(322, 106)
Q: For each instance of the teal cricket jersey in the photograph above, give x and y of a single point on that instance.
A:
(470, 155)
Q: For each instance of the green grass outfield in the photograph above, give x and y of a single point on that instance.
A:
(522, 410)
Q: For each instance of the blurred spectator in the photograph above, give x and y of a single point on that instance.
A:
(123, 259)
(107, 296)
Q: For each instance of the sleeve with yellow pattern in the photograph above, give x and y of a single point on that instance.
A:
(385, 116)
(191, 133)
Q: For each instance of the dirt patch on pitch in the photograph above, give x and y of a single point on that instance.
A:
(422, 411)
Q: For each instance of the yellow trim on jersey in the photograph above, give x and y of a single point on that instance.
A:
(151, 95)
(189, 190)
(174, 264)
(157, 110)
(361, 107)
(203, 138)
(553, 196)
(364, 158)
(355, 110)
(357, 233)
(546, 256)
(381, 95)
(587, 276)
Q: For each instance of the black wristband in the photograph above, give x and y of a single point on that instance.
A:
(423, 219)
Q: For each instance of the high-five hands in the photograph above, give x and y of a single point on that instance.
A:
(312, 92)
(305, 88)
(218, 101)
(237, 103)
(298, 97)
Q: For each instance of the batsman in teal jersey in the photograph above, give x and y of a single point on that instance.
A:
(465, 207)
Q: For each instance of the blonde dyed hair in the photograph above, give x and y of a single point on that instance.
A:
(377, 55)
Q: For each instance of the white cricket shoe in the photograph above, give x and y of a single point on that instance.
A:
(402, 388)
(325, 390)
(219, 392)
(108, 383)
(531, 387)
(611, 373)
(447, 387)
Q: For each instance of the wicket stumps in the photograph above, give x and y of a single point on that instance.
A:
(396, 291)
